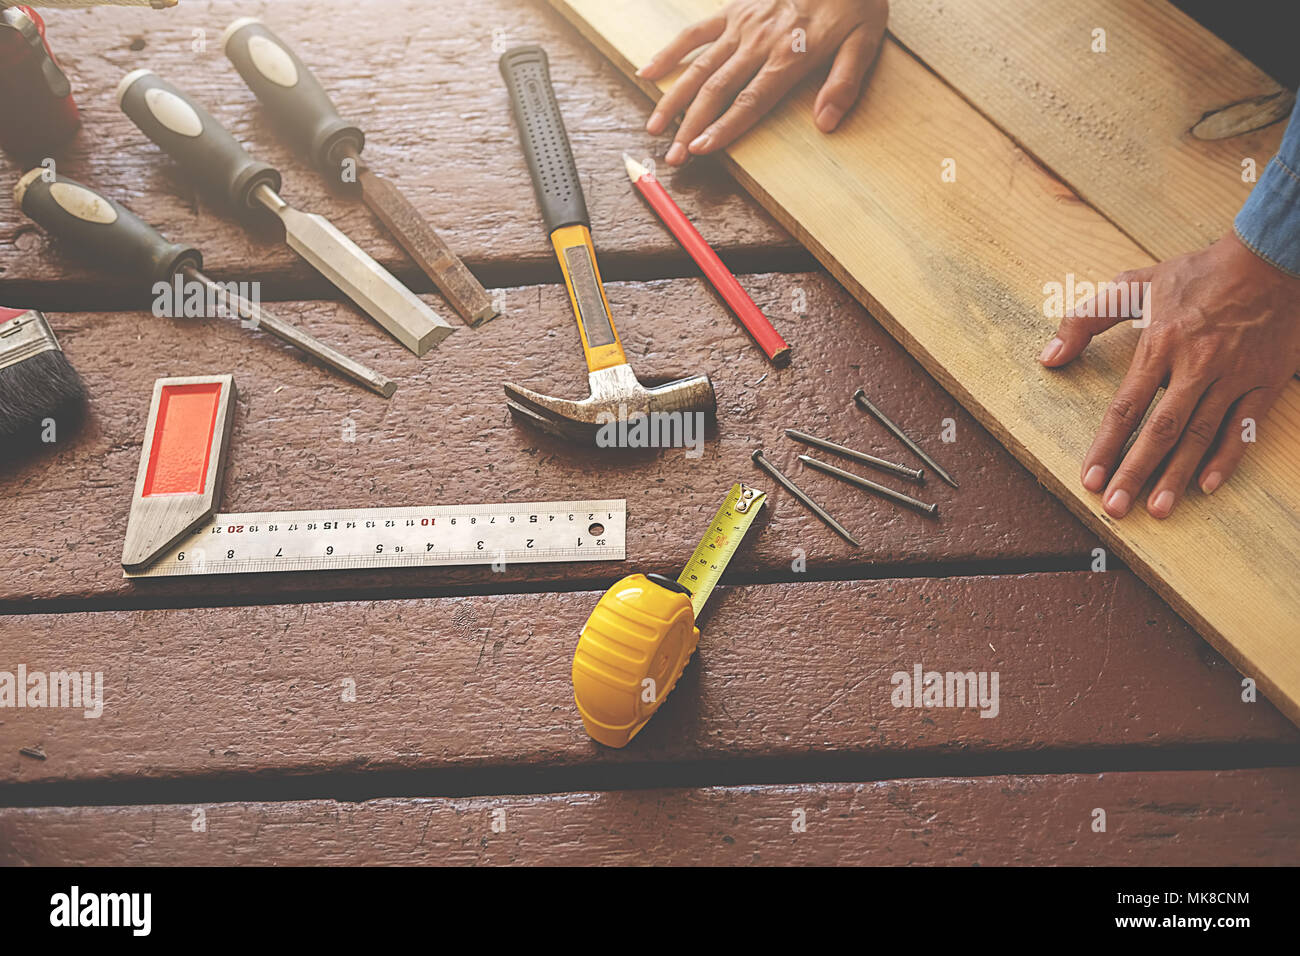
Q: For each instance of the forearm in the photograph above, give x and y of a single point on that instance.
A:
(1269, 222)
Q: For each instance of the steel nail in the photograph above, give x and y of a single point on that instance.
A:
(860, 396)
(869, 485)
(795, 490)
(912, 474)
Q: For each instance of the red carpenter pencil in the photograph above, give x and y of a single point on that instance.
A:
(750, 315)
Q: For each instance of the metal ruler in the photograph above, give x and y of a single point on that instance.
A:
(720, 542)
(433, 536)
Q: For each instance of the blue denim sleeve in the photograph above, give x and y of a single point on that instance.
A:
(1269, 222)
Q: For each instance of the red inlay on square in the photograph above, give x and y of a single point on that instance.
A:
(182, 440)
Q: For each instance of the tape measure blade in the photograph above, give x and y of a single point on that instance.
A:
(719, 544)
(369, 538)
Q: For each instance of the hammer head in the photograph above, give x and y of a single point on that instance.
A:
(615, 394)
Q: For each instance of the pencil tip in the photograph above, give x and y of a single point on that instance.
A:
(634, 169)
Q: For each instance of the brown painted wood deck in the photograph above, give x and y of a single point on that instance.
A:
(226, 694)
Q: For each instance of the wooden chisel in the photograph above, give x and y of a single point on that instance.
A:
(193, 138)
(309, 120)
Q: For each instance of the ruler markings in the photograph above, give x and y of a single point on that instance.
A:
(432, 536)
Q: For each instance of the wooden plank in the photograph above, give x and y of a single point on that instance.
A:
(956, 272)
(437, 119)
(1085, 661)
(446, 437)
(1115, 125)
(1191, 818)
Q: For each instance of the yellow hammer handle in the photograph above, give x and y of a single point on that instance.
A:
(600, 342)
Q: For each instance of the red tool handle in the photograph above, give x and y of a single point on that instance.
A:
(750, 315)
(37, 112)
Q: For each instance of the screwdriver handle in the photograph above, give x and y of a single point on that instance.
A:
(546, 144)
(291, 94)
(107, 232)
(189, 134)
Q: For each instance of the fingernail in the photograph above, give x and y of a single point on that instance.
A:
(654, 125)
(1118, 503)
(641, 70)
(1095, 478)
(1050, 351)
(1211, 483)
(676, 154)
(829, 117)
(700, 143)
(1162, 504)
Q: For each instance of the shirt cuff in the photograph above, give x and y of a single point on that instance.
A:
(1269, 223)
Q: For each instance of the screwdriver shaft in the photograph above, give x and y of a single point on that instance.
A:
(860, 396)
(869, 485)
(795, 490)
(295, 336)
(912, 474)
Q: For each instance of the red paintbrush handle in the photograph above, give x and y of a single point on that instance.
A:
(750, 315)
(37, 114)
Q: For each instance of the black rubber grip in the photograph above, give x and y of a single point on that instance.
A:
(546, 144)
(189, 134)
(107, 232)
(297, 102)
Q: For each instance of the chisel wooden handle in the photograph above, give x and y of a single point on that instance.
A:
(189, 134)
(108, 233)
(291, 94)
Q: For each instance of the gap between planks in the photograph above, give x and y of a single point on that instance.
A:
(360, 785)
(109, 295)
(1054, 564)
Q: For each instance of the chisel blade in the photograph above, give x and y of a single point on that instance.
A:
(361, 278)
(423, 244)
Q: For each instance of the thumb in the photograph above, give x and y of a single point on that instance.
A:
(1122, 298)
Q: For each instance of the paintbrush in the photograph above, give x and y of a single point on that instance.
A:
(39, 388)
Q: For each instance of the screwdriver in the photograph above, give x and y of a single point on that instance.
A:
(306, 115)
(193, 138)
(113, 235)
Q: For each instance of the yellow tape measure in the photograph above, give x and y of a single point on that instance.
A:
(642, 632)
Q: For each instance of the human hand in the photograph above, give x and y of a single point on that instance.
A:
(753, 60)
(1223, 340)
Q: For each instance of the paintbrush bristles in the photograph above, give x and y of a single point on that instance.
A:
(34, 392)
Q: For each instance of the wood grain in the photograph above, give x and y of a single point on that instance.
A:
(304, 439)
(1085, 662)
(1115, 125)
(1192, 818)
(437, 120)
(956, 271)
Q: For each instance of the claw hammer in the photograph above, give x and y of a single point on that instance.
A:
(615, 390)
